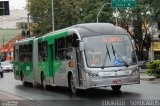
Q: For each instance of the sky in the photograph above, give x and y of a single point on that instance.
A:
(16, 4)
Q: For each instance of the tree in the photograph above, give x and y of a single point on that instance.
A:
(139, 18)
(154, 6)
(40, 14)
(70, 12)
(66, 13)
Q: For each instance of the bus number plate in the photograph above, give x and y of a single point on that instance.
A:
(116, 81)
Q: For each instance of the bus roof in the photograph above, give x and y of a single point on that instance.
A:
(86, 29)
(24, 41)
(90, 29)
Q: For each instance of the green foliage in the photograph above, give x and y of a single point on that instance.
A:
(70, 12)
(137, 17)
(66, 13)
(154, 4)
(153, 68)
(40, 14)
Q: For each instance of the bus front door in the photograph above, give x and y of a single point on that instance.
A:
(79, 66)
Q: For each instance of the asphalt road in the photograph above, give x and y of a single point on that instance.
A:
(60, 96)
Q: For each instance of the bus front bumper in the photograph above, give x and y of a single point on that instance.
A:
(104, 82)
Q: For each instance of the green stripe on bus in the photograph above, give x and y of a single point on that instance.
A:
(56, 66)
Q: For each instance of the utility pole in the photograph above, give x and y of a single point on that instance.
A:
(28, 26)
(28, 22)
(101, 10)
(116, 16)
(28, 18)
(52, 16)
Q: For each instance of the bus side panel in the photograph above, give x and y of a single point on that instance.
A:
(43, 67)
(27, 70)
(60, 74)
(17, 69)
(36, 73)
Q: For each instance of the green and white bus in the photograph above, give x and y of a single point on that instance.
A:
(82, 56)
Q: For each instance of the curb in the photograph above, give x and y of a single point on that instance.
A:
(147, 79)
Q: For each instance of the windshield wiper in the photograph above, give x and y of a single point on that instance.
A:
(113, 50)
(116, 52)
(107, 54)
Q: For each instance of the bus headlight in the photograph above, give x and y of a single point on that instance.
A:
(93, 75)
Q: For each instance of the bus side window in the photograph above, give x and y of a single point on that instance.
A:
(25, 53)
(40, 51)
(69, 41)
(16, 53)
(69, 47)
(69, 53)
(21, 53)
(30, 52)
(61, 48)
(45, 49)
(75, 41)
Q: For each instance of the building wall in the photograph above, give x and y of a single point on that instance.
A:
(9, 21)
(8, 34)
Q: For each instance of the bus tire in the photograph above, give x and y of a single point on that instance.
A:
(72, 84)
(22, 79)
(116, 87)
(43, 81)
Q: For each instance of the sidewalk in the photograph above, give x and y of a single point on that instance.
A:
(144, 76)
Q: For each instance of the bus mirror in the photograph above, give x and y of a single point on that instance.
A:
(81, 46)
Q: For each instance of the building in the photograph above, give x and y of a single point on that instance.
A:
(7, 38)
(10, 21)
(11, 27)
(154, 53)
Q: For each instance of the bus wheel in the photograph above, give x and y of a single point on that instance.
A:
(72, 85)
(43, 81)
(22, 79)
(116, 87)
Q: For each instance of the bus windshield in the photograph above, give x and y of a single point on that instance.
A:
(109, 51)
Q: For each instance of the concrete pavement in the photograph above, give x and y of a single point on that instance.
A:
(7, 96)
(8, 99)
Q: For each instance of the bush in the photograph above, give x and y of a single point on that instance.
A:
(153, 68)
